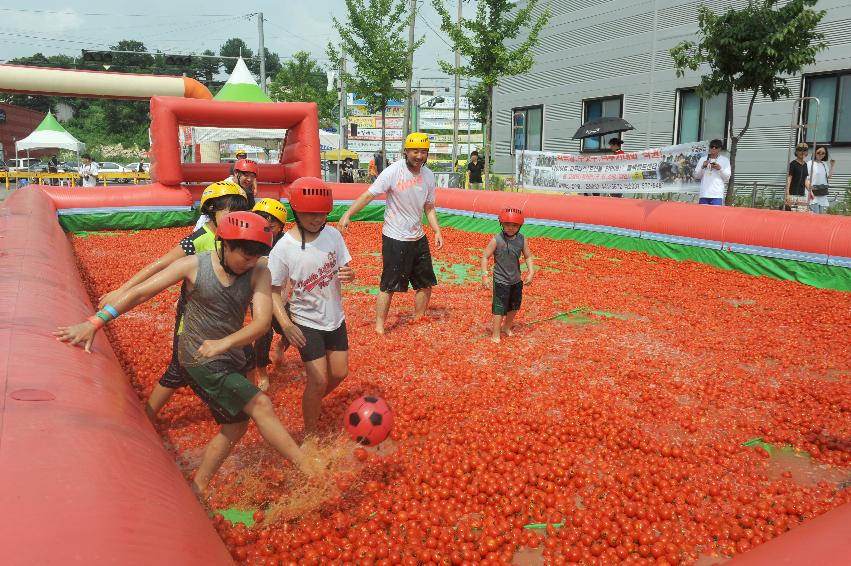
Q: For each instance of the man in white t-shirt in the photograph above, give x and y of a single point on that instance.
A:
(88, 171)
(714, 173)
(409, 188)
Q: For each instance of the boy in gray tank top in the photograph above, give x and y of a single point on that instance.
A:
(506, 249)
(220, 285)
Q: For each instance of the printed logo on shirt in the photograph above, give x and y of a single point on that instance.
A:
(322, 276)
(403, 185)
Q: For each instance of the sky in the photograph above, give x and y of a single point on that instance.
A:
(67, 27)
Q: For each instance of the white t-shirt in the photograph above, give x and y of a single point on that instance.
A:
(89, 173)
(317, 298)
(818, 176)
(406, 196)
(713, 182)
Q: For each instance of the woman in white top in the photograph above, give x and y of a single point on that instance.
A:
(820, 174)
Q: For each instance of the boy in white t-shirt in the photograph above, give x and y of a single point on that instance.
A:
(314, 260)
(409, 188)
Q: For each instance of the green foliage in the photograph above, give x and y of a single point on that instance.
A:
(374, 38)
(483, 41)
(751, 50)
(302, 80)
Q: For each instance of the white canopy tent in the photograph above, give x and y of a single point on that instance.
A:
(50, 135)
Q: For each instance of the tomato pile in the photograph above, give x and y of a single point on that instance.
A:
(608, 430)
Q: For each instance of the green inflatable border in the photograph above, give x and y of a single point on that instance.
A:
(812, 274)
(136, 220)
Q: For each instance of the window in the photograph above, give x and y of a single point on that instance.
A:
(834, 108)
(596, 108)
(528, 127)
(701, 119)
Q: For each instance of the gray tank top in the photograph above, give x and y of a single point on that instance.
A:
(506, 258)
(213, 311)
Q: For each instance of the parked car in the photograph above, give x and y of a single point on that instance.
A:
(112, 167)
(134, 167)
(68, 167)
(23, 164)
(3, 167)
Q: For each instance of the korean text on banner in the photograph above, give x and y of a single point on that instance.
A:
(660, 170)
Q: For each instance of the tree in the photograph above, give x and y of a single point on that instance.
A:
(235, 47)
(751, 50)
(130, 62)
(206, 68)
(482, 41)
(302, 80)
(374, 36)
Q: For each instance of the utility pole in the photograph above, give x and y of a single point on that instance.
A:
(262, 51)
(406, 126)
(342, 112)
(456, 114)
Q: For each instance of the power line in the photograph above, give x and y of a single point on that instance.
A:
(103, 14)
(287, 31)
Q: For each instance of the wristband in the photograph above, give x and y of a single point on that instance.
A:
(98, 323)
(112, 311)
(103, 316)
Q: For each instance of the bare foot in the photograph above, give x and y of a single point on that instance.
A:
(199, 492)
(379, 329)
(495, 339)
(508, 331)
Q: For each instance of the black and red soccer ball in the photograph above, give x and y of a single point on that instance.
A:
(368, 420)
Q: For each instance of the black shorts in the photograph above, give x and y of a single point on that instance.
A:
(321, 341)
(406, 262)
(506, 298)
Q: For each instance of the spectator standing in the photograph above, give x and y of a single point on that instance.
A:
(88, 171)
(820, 175)
(714, 174)
(474, 171)
(615, 147)
(798, 192)
(52, 167)
(347, 171)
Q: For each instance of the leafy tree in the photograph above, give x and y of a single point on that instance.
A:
(302, 80)
(751, 50)
(374, 36)
(235, 47)
(130, 62)
(482, 40)
(206, 68)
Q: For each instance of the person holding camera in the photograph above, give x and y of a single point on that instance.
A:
(88, 171)
(714, 174)
(820, 174)
(799, 193)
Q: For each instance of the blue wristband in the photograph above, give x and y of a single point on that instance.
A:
(111, 310)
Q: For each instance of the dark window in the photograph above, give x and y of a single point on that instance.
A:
(834, 108)
(596, 108)
(701, 119)
(527, 125)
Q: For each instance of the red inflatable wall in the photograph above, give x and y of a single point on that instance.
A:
(85, 479)
(300, 156)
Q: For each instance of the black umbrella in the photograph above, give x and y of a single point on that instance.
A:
(602, 126)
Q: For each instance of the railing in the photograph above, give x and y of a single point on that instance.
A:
(72, 178)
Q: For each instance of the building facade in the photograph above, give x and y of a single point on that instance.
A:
(17, 123)
(611, 58)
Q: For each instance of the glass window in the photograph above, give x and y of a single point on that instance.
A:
(834, 108)
(688, 129)
(527, 124)
(701, 119)
(597, 108)
(843, 113)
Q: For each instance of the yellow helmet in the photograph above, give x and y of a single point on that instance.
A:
(417, 140)
(221, 189)
(272, 207)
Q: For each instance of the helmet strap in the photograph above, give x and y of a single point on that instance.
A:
(221, 254)
(301, 230)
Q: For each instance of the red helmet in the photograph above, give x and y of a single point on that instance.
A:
(246, 166)
(513, 215)
(309, 194)
(245, 225)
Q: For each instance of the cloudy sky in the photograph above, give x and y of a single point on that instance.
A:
(53, 26)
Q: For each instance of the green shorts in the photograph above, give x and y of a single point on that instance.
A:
(223, 389)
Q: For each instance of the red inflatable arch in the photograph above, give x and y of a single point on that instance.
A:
(300, 155)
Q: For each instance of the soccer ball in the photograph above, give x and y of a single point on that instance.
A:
(368, 420)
